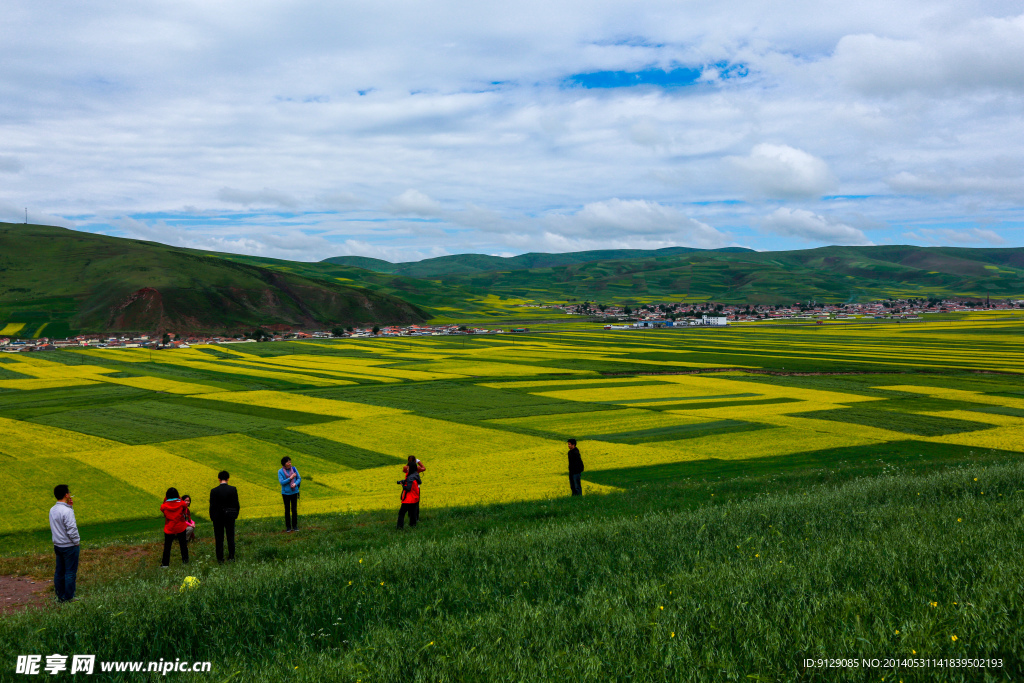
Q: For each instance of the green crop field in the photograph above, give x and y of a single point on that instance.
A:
(753, 497)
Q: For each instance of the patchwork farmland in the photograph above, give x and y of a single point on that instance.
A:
(754, 499)
(123, 425)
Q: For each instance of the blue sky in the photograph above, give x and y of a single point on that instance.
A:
(401, 130)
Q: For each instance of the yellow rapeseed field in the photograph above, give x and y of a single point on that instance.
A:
(529, 383)
(299, 402)
(153, 470)
(25, 441)
(602, 421)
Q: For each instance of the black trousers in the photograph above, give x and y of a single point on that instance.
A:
(168, 542)
(414, 514)
(219, 527)
(291, 503)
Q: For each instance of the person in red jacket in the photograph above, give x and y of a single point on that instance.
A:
(175, 511)
(410, 494)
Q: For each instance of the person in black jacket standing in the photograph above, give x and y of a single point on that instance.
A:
(224, 509)
(575, 468)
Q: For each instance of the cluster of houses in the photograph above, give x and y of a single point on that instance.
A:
(649, 323)
(279, 333)
(712, 314)
(644, 316)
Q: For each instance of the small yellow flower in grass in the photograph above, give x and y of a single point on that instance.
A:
(360, 560)
(954, 638)
(757, 555)
(350, 583)
(661, 607)
(913, 652)
(958, 519)
(975, 479)
(382, 583)
(897, 631)
(673, 634)
(935, 604)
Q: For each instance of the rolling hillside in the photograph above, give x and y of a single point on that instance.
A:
(69, 280)
(57, 281)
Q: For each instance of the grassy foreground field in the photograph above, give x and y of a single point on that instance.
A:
(812, 492)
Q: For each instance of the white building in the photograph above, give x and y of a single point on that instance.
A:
(712, 321)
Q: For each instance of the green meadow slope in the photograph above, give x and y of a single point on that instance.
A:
(77, 281)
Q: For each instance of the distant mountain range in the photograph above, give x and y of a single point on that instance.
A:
(466, 264)
(835, 274)
(76, 281)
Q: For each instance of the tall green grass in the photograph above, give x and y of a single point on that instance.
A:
(584, 589)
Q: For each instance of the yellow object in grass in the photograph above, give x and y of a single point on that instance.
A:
(190, 583)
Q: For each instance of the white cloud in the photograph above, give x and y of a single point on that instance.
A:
(416, 203)
(984, 53)
(10, 164)
(947, 236)
(1005, 183)
(633, 221)
(811, 227)
(784, 172)
(378, 115)
(338, 200)
(264, 197)
(647, 133)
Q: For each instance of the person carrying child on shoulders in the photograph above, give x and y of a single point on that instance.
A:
(410, 493)
(420, 468)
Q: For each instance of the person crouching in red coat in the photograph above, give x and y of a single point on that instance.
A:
(175, 512)
(410, 494)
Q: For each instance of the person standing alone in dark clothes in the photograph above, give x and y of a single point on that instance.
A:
(575, 468)
(64, 530)
(224, 509)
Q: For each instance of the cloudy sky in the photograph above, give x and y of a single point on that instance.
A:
(403, 130)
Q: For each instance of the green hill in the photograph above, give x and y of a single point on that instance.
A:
(71, 280)
(57, 281)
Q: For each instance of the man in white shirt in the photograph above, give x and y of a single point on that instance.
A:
(64, 530)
